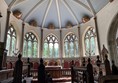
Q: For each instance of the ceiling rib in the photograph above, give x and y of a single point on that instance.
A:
(46, 12)
(70, 10)
(82, 4)
(18, 1)
(91, 7)
(58, 11)
(32, 9)
(11, 4)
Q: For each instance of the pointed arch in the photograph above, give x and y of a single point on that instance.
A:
(71, 46)
(51, 47)
(11, 41)
(90, 42)
(30, 46)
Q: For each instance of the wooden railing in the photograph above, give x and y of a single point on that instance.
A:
(5, 74)
(76, 74)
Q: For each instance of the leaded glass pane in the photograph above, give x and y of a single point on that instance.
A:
(9, 32)
(45, 50)
(51, 50)
(56, 47)
(29, 48)
(25, 48)
(8, 44)
(87, 46)
(35, 49)
(14, 34)
(92, 45)
(71, 49)
(76, 48)
(66, 49)
(13, 45)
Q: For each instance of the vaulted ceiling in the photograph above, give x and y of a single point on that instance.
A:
(57, 12)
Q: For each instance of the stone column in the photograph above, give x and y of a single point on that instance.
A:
(80, 44)
(0, 26)
(1, 45)
(7, 27)
(61, 47)
(41, 44)
(22, 38)
(98, 39)
(3, 52)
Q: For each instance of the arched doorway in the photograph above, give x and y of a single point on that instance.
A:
(112, 39)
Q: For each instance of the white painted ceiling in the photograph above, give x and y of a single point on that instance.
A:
(58, 12)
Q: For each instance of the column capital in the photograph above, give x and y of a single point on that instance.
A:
(60, 29)
(95, 17)
(0, 15)
(78, 27)
(8, 11)
(41, 29)
(23, 23)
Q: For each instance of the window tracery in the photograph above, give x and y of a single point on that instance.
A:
(11, 41)
(30, 47)
(71, 46)
(90, 41)
(51, 47)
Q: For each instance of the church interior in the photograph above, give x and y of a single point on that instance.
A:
(66, 34)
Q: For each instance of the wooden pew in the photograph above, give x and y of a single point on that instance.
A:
(79, 75)
(108, 79)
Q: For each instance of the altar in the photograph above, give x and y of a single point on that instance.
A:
(54, 71)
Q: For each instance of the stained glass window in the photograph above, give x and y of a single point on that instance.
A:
(90, 41)
(11, 41)
(51, 47)
(71, 46)
(30, 47)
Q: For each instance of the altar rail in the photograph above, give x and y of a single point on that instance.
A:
(55, 73)
(77, 74)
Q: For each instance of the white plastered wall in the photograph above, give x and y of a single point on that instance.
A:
(3, 10)
(104, 19)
